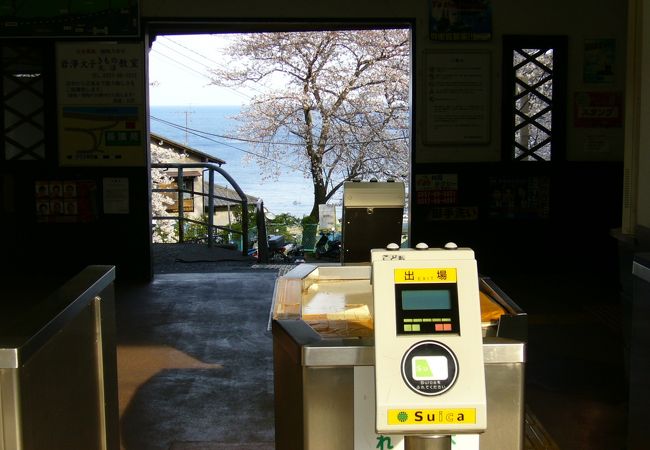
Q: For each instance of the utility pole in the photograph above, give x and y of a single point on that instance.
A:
(187, 123)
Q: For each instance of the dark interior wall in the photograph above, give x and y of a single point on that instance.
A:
(60, 246)
(63, 249)
(560, 216)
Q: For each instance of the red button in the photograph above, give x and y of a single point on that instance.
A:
(438, 327)
(446, 327)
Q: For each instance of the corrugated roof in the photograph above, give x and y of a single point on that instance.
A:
(228, 193)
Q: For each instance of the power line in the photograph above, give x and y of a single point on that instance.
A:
(201, 134)
(184, 55)
(181, 66)
(216, 63)
(191, 50)
(294, 144)
(189, 69)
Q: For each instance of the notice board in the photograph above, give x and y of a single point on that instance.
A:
(101, 104)
(458, 97)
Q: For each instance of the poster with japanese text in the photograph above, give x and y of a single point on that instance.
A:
(460, 20)
(599, 60)
(458, 97)
(598, 109)
(101, 104)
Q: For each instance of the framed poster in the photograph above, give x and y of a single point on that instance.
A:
(458, 97)
(460, 20)
(599, 60)
(101, 105)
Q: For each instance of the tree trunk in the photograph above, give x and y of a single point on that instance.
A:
(320, 195)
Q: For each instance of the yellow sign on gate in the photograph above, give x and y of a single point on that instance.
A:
(456, 416)
(428, 275)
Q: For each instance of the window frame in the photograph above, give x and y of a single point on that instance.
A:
(559, 105)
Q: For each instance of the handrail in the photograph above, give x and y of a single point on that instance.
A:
(212, 168)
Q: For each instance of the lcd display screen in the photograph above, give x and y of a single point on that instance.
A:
(426, 300)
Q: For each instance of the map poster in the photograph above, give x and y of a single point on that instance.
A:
(101, 104)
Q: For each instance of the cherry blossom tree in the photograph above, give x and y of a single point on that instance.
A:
(163, 230)
(332, 104)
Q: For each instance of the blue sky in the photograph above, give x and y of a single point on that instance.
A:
(178, 68)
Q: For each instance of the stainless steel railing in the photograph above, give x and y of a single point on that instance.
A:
(210, 196)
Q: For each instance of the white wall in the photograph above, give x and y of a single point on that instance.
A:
(577, 19)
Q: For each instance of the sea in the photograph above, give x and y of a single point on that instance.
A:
(206, 128)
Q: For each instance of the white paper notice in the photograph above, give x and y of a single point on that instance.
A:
(458, 98)
(116, 195)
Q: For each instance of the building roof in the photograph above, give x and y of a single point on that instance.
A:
(224, 192)
(203, 157)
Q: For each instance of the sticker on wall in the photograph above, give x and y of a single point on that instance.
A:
(65, 201)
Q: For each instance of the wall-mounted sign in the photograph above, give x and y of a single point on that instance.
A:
(88, 18)
(460, 20)
(65, 201)
(101, 104)
(519, 197)
(436, 189)
(327, 217)
(599, 60)
(598, 109)
(458, 97)
(453, 214)
(115, 195)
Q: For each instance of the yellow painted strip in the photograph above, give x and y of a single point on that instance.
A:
(433, 275)
(431, 416)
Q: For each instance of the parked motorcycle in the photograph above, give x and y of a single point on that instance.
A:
(279, 252)
(328, 246)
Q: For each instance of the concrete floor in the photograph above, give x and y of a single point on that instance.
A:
(195, 362)
(195, 359)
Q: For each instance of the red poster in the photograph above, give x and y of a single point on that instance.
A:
(598, 109)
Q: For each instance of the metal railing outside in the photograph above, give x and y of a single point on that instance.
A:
(181, 215)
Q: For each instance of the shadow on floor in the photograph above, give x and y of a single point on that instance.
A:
(195, 361)
(195, 357)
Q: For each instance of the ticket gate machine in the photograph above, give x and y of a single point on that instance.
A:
(429, 368)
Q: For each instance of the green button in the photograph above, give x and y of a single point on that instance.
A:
(417, 320)
(416, 327)
(426, 320)
(408, 327)
(408, 320)
(446, 319)
(436, 320)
